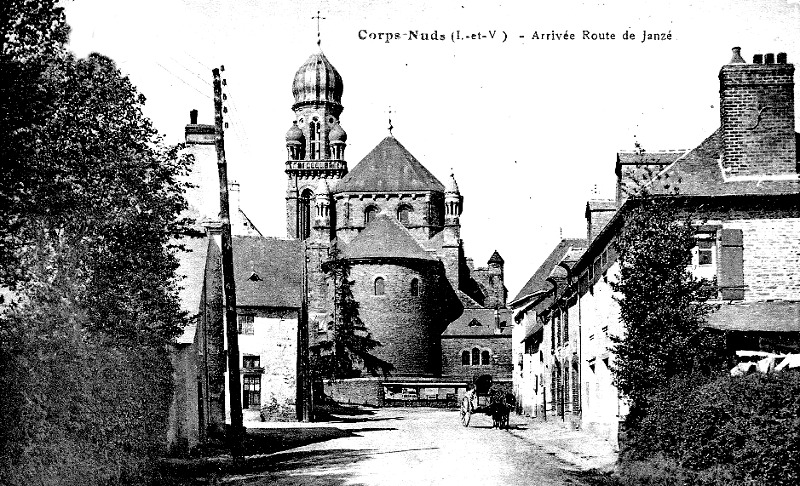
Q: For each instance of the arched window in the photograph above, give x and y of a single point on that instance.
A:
(315, 140)
(370, 213)
(414, 287)
(304, 214)
(465, 358)
(476, 356)
(403, 212)
(379, 286)
(485, 358)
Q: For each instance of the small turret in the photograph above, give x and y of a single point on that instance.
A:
(295, 141)
(337, 138)
(453, 203)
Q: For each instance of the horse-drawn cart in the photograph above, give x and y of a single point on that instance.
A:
(482, 398)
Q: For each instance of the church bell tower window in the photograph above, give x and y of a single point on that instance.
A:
(304, 214)
(315, 139)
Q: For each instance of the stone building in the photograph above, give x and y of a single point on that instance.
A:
(390, 220)
(398, 228)
(743, 182)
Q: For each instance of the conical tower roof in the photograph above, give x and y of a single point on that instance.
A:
(389, 167)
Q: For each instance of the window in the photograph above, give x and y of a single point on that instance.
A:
(251, 361)
(304, 208)
(402, 213)
(604, 259)
(485, 358)
(597, 268)
(251, 386)
(314, 139)
(370, 213)
(558, 328)
(476, 356)
(731, 264)
(414, 287)
(705, 252)
(465, 358)
(576, 389)
(566, 326)
(379, 286)
(246, 324)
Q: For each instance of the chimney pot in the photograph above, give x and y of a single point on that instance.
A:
(737, 56)
(193, 117)
(758, 58)
(769, 58)
(781, 58)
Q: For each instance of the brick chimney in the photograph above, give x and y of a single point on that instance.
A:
(757, 117)
(198, 134)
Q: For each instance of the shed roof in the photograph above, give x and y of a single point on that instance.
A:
(775, 316)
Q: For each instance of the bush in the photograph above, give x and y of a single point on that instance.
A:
(733, 430)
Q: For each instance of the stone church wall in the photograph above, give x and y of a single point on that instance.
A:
(500, 366)
(403, 323)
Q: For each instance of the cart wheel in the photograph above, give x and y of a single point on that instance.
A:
(465, 412)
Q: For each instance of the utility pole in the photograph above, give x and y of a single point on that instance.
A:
(235, 433)
(305, 381)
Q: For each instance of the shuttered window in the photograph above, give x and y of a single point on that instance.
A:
(730, 265)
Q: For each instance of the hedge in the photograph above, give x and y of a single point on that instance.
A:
(733, 430)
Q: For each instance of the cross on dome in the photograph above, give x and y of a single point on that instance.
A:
(319, 39)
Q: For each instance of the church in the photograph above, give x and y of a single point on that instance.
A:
(441, 321)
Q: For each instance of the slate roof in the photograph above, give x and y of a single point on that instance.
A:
(496, 258)
(699, 173)
(538, 280)
(389, 167)
(484, 316)
(385, 237)
(777, 316)
(278, 266)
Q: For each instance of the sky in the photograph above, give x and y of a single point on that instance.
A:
(529, 125)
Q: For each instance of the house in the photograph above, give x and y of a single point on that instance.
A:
(742, 182)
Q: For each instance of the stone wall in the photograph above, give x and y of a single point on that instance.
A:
(499, 347)
(274, 342)
(407, 326)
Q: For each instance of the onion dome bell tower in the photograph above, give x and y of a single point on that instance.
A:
(315, 142)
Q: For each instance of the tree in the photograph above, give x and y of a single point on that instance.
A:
(662, 305)
(90, 200)
(349, 347)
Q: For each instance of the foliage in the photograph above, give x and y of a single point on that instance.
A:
(349, 349)
(733, 430)
(662, 305)
(90, 200)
